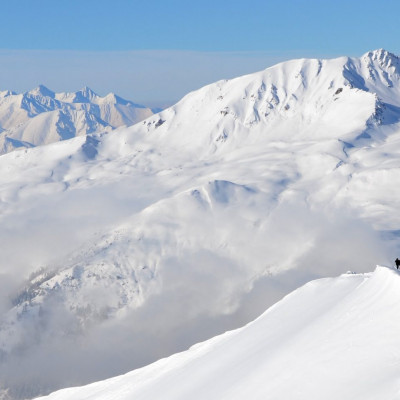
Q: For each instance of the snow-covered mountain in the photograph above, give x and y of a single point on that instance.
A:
(125, 246)
(41, 116)
(334, 338)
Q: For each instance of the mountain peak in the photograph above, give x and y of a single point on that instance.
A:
(5, 93)
(86, 93)
(42, 90)
(381, 53)
(114, 99)
(111, 97)
(385, 58)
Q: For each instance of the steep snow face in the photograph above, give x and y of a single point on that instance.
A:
(381, 71)
(195, 220)
(296, 100)
(333, 338)
(41, 116)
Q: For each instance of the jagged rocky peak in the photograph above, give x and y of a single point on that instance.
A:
(33, 118)
(5, 93)
(384, 58)
(85, 94)
(86, 91)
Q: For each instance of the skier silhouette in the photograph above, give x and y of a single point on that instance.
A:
(397, 261)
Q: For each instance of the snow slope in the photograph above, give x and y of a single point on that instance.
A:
(157, 236)
(334, 338)
(41, 116)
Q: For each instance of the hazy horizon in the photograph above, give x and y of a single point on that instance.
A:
(133, 75)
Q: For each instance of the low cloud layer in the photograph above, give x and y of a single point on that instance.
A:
(201, 295)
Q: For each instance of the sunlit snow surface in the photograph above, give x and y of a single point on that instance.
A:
(334, 338)
(194, 221)
(41, 116)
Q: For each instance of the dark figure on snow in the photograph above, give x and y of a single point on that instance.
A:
(397, 263)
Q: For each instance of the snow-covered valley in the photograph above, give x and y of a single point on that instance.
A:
(122, 247)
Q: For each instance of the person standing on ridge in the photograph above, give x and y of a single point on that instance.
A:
(397, 261)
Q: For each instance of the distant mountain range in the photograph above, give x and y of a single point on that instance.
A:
(42, 116)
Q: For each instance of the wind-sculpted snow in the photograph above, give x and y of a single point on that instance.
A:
(333, 338)
(123, 247)
(41, 116)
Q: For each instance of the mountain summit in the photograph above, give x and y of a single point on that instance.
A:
(41, 90)
(41, 116)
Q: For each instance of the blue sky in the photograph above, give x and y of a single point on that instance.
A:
(156, 51)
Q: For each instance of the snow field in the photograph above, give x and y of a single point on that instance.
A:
(333, 338)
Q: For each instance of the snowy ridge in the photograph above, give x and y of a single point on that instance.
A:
(315, 343)
(300, 99)
(41, 116)
(296, 157)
